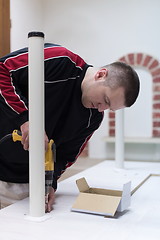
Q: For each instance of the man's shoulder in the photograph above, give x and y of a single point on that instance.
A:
(14, 53)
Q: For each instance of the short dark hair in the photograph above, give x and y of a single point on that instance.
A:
(123, 75)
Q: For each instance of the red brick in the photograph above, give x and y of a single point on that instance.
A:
(131, 58)
(154, 64)
(147, 60)
(156, 97)
(139, 58)
(156, 106)
(155, 72)
(156, 124)
(156, 80)
(84, 153)
(156, 133)
(112, 132)
(112, 123)
(156, 88)
(156, 115)
(122, 59)
(111, 114)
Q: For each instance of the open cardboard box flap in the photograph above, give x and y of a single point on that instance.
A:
(101, 201)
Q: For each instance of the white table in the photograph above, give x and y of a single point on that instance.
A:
(140, 221)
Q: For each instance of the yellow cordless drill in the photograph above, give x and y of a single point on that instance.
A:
(50, 158)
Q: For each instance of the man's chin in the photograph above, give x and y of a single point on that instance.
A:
(85, 104)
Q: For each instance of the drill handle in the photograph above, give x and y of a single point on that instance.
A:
(16, 135)
(50, 156)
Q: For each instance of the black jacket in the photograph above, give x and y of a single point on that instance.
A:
(67, 121)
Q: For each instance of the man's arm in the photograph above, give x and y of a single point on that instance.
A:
(67, 152)
(13, 103)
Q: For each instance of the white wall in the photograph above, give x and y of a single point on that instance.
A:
(26, 16)
(104, 30)
(138, 118)
(101, 32)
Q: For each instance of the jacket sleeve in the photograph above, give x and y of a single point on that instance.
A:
(68, 152)
(12, 103)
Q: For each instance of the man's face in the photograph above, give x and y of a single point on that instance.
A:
(102, 97)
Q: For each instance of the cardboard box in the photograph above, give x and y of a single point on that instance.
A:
(101, 201)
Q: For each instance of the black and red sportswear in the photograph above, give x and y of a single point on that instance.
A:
(67, 121)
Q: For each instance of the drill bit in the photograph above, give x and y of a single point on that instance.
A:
(50, 157)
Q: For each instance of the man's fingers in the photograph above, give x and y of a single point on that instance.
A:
(50, 201)
(25, 135)
(46, 141)
(49, 208)
(25, 143)
(25, 140)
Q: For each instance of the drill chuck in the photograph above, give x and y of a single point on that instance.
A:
(48, 181)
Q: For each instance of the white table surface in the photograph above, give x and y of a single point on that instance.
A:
(140, 221)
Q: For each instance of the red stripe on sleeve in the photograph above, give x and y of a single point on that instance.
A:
(8, 92)
(16, 62)
(84, 145)
(63, 52)
(21, 60)
(80, 151)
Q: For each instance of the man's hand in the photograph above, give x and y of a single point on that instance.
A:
(50, 201)
(25, 136)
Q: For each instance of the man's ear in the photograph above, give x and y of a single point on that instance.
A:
(101, 74)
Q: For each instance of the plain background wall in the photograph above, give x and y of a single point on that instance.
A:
(101, 32)
(26, 16)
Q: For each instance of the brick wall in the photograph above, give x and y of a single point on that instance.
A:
(153, 66)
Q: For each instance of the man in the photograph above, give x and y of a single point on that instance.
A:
(76, 94)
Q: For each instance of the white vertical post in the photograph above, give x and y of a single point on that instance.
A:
(36, 125)
(119, 142)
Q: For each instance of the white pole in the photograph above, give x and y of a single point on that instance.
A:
(119, 142)
(36, 125)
